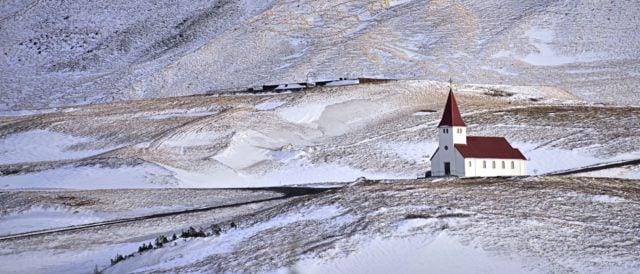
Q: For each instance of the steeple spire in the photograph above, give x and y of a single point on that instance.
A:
(451, 116)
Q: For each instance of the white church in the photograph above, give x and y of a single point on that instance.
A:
(472, 156)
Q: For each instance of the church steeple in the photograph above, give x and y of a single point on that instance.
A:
(451, 116)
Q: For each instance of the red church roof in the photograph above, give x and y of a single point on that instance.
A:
(488, 147)
(451, 115)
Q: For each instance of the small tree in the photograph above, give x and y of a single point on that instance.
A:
(117, 259)
(144, 247)
(161, 240)
(192, 232)
(216, 229)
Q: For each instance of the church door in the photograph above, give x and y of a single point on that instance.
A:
(447, 168)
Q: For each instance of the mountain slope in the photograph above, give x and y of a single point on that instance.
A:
(69, 53)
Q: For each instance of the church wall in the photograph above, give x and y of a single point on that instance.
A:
(436, 164)
(459, 135)
(456, 160)
(478, 170)
(459, 169)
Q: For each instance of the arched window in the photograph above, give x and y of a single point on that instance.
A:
(469, 163)
(484, 164)
(513, 165)
(493, 164)
(502, 164)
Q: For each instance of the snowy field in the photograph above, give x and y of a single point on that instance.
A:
(102, 163)
(43, 145)
(24, 211)
(100, 156)
(527, 225)
(333, 134)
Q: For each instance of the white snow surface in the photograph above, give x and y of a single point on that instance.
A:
(295, 172)
(416, 226)
(46, 217)
(555, 224)
(303, 114)
(270, 104)
(42, 218)
(191, 251)
(543, 160)
(334, 134)
(545, 55)
(42, 145)
(75, 261)
(421, 253)
(418, 152)
(151, 49)
(91, 177)
(627, 172)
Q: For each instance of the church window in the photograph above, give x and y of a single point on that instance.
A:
(484, 164)
(493, 164)
(446, 147)
(513, 165)
(469, 163)
(502, 164)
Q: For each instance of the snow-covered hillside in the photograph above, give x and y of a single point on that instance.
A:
(73, 52)
(494, 225)
(330, 134)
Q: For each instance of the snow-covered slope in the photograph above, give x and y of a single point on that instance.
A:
(493, 225)
(71, 52)
(329, 134)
